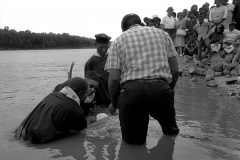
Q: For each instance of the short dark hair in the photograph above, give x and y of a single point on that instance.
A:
(221, 27)
(129, 20)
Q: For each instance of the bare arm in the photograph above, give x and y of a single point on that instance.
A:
(70, 72)
(174, 70)
(114, 86)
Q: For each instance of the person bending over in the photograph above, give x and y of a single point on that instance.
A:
(58, 114)
(143, 73)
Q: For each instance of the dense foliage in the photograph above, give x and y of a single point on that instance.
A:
(11, 39)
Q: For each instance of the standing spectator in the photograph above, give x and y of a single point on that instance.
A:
(143, 73)
(236, 14)
(174, 15)
(218, 13)
(167, 23)
(185, 12)
(151, 23)
(146, 21)
(179, 41)
(157, 21)
(194, 12)
(202, 31)
(96, 63)
(205, 6)
(230, 9)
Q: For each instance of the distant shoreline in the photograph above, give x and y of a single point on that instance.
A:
(18, 49)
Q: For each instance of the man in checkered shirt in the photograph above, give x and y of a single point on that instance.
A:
(143, 73)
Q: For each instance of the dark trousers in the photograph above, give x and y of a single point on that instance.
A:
(171, 33)
(238, 23)
(137, 101)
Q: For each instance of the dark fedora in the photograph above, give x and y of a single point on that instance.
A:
(170, 8)
(102, 38)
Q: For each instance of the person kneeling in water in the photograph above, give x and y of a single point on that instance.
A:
(58, 114)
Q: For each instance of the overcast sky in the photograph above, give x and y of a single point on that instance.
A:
(82, 17)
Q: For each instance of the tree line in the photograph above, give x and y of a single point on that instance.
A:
(11, 39)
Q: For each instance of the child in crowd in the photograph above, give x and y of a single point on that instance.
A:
(191, 49)
(202, 31)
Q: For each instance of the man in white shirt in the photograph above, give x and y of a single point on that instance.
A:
(168, 22)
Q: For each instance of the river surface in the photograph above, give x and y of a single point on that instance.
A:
(209, 123)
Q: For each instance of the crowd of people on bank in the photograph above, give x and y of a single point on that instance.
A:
(198, 33)
(136, 73)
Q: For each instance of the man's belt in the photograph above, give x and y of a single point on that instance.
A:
(150, 80)
(168, 29)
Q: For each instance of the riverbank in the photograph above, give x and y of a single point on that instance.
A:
(213, 78)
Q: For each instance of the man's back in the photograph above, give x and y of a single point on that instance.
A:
(143, 53)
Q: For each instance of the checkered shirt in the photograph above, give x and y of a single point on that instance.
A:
(141, 53)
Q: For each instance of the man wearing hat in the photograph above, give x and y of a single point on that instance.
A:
(57, 114)
(143, 73)
(96, 63)
(167, 23)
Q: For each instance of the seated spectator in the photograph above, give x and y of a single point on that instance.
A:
(230, 35)
(190, 50)
(216, 39)
(202, 31)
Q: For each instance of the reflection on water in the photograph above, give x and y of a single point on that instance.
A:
(209, 124)
(82, 147)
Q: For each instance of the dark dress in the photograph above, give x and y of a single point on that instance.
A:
(97, 64)
(216, 37)
(236, 15)
(55, 116)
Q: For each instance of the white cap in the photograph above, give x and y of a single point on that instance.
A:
(101, 116)
(155, 16)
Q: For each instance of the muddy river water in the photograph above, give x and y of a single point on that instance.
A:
(209, 122)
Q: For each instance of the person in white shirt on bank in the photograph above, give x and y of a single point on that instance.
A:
(168, 22)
